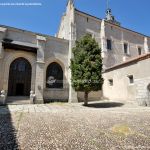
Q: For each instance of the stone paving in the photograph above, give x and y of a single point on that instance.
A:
(58, 126)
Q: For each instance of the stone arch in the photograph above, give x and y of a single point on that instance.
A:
(50, 61)
(54, 76)
(10, 58)
(19, 82)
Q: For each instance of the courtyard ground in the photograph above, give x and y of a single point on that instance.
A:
(101, 126)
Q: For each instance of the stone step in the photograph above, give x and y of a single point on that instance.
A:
(17, 100)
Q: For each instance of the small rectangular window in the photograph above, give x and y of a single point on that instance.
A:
(109, 44)
(111, 27)
(131, 79)
(125, 48)
(111, 83)
(87, 19)
(139, 50)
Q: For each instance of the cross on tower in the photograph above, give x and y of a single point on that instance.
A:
(107, 1)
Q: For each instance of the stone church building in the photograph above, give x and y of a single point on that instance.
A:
(35, 67)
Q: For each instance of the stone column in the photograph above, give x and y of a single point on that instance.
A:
(103, 38)
(103, 44)
(2, 35)
(146, 48)
(3, 94)
(39, 79)
(72, 92)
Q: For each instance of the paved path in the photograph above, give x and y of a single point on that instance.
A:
(101, 126)
(29, 108)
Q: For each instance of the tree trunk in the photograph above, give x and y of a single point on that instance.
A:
(86, 98)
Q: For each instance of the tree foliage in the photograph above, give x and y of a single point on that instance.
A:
(86, 66)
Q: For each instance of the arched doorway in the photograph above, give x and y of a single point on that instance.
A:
(19, 78)
(54, 76)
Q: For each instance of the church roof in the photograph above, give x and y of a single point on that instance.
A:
(88, 14)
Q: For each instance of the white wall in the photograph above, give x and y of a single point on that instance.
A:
(122, 89)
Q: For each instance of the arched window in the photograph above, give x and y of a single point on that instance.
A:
(54, 76)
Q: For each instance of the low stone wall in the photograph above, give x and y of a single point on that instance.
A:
(143, 91)
(93, 96)
(51, 95)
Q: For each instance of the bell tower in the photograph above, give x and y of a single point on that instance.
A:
(109, 16)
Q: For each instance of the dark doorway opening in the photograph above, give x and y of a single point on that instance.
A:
(19, 78)
(19, 89)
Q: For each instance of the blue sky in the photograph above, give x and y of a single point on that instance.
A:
(45, 19)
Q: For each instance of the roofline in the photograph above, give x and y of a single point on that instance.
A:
(128, 62)
(113, 24)
(88, 14)
(128, 29)
(33, 33)
(62, 17)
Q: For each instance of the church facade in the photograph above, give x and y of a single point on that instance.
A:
(37, 66)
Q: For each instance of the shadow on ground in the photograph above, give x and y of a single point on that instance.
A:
(8, 140)
(105, 105)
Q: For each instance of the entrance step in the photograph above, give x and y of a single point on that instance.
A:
(17, 100)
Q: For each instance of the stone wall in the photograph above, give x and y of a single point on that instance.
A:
(51, 95)
(87, 24)
(148, 43)
(119, 36)
(21, 35)
(143, 92)
(9, 56)
(56, 50)
(122, 89)
(93, 96)
(49, 49)
(1, 70)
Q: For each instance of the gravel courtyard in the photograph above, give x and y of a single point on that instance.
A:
(101, 126)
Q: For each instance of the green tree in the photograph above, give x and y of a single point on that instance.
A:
(86, 66)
